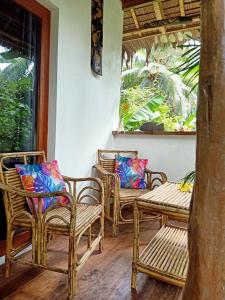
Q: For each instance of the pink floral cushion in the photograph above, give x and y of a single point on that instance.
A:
(131, 172)
(42, 178)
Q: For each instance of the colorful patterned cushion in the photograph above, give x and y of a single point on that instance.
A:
(42, 178)
(131, 172)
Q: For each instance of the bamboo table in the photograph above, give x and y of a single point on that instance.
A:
(166, 255)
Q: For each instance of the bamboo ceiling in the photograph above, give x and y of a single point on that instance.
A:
(159, 21)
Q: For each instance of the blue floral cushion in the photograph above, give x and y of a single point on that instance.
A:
(42, 178)
(131, 172)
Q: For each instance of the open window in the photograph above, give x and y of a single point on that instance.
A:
(161, 51)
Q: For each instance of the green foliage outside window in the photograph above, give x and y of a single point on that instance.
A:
(15, 111)
(15, 115)
(162, 92)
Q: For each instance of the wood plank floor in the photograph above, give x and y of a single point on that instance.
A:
(105, 276)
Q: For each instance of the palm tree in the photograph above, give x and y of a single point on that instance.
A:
(158, 77)
(189, 68)
(190, 71)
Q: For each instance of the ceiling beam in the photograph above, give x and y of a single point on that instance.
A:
(159, 13)
(159, 27)
(182, 9)
(148, 34)
(135, 20)
(134, 3)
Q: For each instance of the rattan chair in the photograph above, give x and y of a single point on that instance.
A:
(74, 220)
(116, 198)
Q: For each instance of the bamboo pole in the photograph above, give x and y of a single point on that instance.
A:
(206, 275)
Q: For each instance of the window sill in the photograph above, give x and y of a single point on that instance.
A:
(154, 132)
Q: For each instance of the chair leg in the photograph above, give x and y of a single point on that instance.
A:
(116, 209)
(7, 266)
(135, 246)
(115, 230)
(101, 243)
(163, 220)
(72, 272)
(45, 241)
(8, 251)
(134, 277)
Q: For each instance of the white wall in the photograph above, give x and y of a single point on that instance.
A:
(175, 155)
(83, 108)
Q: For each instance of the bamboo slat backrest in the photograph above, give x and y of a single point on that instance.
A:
(9, 175)
(106, 158)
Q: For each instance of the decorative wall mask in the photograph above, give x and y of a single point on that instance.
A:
(97, 36)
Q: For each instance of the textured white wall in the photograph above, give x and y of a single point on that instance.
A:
(175, 155)
(85, 107)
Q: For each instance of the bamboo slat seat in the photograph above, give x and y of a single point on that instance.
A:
(85, 208)
(116, 198)
(86, 214)
(166, 256)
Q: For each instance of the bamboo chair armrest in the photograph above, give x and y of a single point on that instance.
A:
(113, 176)
(23, 193)
(154, 176)
(83, 179)
(99, 188)
(102, 171)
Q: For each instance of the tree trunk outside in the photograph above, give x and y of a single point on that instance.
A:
(206, 275)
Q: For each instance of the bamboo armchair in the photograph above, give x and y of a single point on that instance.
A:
(116, 198)
(75, 220)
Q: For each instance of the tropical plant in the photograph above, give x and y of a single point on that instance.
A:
(177, 109)
(148, 110)
(15, 111)
(189, 178)
(178, 94)
(15, 115)
(189, 68)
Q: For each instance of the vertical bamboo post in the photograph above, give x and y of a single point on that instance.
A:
(206, 275)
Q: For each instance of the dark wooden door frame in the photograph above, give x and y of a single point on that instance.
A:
(43, 89)
(43, 92)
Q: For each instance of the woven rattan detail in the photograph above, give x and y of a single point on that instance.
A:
(108, 165)
(167, 253)
(18, 202)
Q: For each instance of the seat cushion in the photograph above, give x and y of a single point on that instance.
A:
(86, 214)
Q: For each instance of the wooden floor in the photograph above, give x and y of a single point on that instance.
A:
(105, 276)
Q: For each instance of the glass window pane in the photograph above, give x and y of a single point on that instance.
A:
(19, 75)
